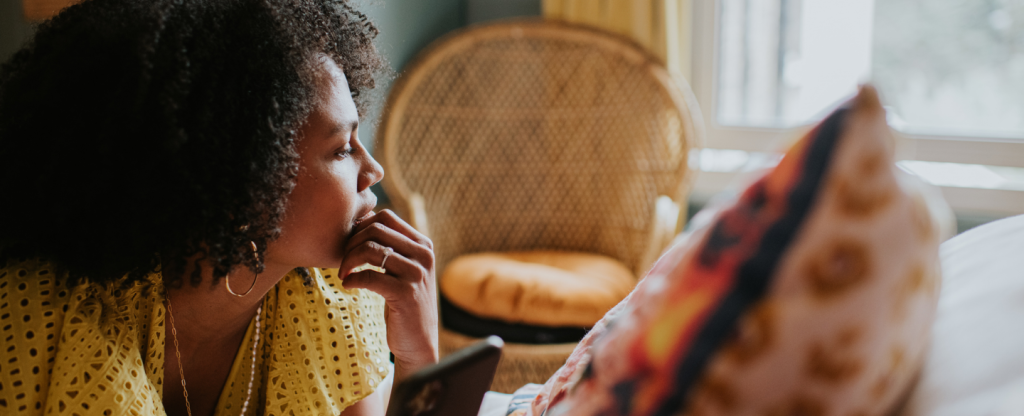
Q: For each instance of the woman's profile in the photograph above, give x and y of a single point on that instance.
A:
(184, 194)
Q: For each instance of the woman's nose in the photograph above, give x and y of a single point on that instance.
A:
(371, 174)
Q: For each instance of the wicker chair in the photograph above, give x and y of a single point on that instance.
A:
(528, 134)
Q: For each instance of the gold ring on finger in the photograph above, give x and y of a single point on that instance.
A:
(368, 266)
(387, 253)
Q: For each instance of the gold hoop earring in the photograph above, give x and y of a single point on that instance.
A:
(227, 282)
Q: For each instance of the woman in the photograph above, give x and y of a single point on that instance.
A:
(180, 180)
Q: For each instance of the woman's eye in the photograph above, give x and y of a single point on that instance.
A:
(345, 152)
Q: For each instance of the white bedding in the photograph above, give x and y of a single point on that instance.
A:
(495, 404)
(976, 363)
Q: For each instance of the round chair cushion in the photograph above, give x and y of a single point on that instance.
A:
(547, 288)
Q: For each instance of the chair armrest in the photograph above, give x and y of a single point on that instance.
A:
(663, 229)
(418, 213)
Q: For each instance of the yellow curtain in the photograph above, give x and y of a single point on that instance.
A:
(662, 26)
(37, 10)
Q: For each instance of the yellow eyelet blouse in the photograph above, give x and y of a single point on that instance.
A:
(92, 349)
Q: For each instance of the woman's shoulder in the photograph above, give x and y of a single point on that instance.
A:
(38, 292)
(64, 337)
(33, 299)
(322, 301)
(325, 333)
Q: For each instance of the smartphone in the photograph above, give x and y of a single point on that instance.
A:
(455, 386)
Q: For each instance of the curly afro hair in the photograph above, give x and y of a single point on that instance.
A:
(132, 131)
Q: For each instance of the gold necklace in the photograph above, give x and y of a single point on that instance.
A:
(181, 369)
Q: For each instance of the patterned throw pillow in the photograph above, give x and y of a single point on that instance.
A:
(812, 294)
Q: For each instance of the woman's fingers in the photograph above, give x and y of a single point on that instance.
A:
(388, 219)
(383, 285)
(373, 253)
(369, 244)
(388, 237)
(390, 285)
(367, 252)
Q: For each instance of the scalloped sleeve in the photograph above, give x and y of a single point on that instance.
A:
(326, 347)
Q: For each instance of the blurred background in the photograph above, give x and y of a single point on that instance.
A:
(950, 71)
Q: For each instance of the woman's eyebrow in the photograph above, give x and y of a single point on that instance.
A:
(343, 127)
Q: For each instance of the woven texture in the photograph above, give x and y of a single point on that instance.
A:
(532, 135)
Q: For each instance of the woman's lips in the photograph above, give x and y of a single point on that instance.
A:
(355, 223)
(364, 217)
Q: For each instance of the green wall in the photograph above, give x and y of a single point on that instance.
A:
(406, 26)
(14, 31)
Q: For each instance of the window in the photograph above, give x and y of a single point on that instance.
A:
(951, 73)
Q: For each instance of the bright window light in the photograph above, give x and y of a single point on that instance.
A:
(729, 160)
(958, 175)
(944, 67)
(962, 175)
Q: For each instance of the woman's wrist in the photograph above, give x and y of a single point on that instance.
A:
(406, 366)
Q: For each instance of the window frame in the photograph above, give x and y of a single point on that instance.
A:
(934, 148)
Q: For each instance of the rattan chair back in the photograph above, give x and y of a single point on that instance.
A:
(530, 135)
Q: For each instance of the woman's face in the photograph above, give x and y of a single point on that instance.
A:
(332, 190)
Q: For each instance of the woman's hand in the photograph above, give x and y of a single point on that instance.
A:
(408, 286)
